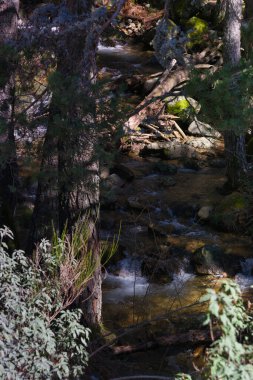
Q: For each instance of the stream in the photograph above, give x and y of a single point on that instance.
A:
(152, 274)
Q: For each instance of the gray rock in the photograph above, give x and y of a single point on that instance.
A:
(199, 128)
(204, 212)
(202, 143)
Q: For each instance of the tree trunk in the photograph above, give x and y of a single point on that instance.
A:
(46, 210)
(70, 145)
(248, 10)
(8, 167)
(234, 144)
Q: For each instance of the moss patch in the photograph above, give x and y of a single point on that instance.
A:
(180, 108)
(197, 29)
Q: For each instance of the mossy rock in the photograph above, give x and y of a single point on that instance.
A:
(182, 107)
(211, 260)
(231, 213)
(179, 108)
(197, 29)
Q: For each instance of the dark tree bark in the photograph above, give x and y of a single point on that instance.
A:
(234, 144)
(8, 166)
(68, 189)
(248, 9)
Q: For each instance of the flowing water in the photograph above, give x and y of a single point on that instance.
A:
(129, 296)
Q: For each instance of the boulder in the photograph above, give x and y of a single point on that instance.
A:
(211, 260)
(204, 212)
(181, 106)
(199, 128)
(231, 213)
(165, 168)
(201, 143)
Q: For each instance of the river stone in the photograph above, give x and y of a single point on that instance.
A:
(231, 213)
(165, 168)
(114, 181)
(199, 128)
(211, 260)
(204, 212)
(124, 171)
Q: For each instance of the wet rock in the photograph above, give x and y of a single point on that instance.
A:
(204, 212)
(159, 270)
(159, 229)
(167, 182)
(211, 260)
(138, 204)
(219, 163)
(165, 168)
(114, 181)
(124, 172)
(231, 213)
(199, 128)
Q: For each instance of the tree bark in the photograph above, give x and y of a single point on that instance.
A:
(248, 10)
(8, 167)
(68, 188)
(234, 144)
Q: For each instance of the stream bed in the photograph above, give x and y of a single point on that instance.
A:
(155, 215)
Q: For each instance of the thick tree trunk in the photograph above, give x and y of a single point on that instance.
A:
(234, 144)
(8, 166)
(72, 195)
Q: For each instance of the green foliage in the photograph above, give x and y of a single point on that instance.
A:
(231, 356)
(225, 97)
(39, 339)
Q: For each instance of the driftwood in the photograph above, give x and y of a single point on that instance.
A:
(143, 19)
(167, 82)
(192, 336)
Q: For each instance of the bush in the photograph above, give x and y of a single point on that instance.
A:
(39, 339)
(231, 356)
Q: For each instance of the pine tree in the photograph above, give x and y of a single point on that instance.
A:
(8, 166)
(234, 144)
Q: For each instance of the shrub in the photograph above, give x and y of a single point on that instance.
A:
(39, 339)
(231, 356)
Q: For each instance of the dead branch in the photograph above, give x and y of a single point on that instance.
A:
(153, 101)
(174, 123)
(192, 336)
(157, 132)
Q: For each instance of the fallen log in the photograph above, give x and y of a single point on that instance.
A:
(192, 336)
(167, 82)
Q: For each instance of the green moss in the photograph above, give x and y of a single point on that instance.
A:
(179, 108)
(197, 28)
